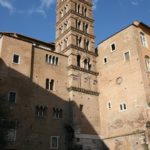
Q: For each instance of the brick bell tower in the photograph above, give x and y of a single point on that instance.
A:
(75, 39)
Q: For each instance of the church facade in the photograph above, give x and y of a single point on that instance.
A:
(69, 95)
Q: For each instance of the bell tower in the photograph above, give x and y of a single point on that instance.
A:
(75, 39)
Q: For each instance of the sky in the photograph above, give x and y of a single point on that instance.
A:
(36, 18)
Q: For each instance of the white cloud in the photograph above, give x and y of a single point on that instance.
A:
(41, 9)
(7, 4)
(94, 4)
(135, 2)
(46, 3)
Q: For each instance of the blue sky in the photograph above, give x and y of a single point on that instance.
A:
(36, 18)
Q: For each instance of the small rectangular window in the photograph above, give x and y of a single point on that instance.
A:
(57, 113)
(105, 60)
(11, 135)
(143, 39)
(127, 56)
(12, 97)
(16, 59)
(109, 105)
(81, 107)
(55, 142)
(113, 47)
(123, 107)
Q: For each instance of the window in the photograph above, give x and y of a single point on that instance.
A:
(52, 85)
(85, 27)
(109, 106)
(57, 113)
(123, 107)
(78, 41)
(47, 59)
(84, 11)
(96, 51)
(113, 47)
(86, 44)
(51, 60)
(11, 136)
(86, 64)
(49, 85)
(78, 9)
(78, 60)
(127, 56)
(143, 39)
(78, 24)
(81, 107)
(12, 97)
(40, 111)
(55, 142)
(16, 59)
(105, 61)
(147, 61)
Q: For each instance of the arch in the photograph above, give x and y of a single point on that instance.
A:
(52, 85)
(47, 84)
(78, 9)
(56, 62)
(60, 113)
(47, 58)
(85, 63)
(147, 61)
(85, 11)
(53, 60)
(143, 39)
(50, 59)
(78, 60)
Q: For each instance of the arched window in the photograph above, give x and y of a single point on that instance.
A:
(78, 41)
(47, 84)
(52, 85)
(78, 60)
(37, 111)
(86, 28)
(56, 61)
(47, 59)
(57, 113)
(147, 61)
(85, 11)
(40, 111)
(50, 59)
(60, 113)
(82, 10)
(85, 64)
(53, 60)
(143, 39)
(78, 24)
(86, 44)
(78, 8)
(45, 111)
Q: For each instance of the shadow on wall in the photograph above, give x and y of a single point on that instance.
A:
(41, 115)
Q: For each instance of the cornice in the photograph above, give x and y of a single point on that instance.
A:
(83, 91)
(76, 30)
(83, 70)
(82, 1)
(74, 13)
(78, 48)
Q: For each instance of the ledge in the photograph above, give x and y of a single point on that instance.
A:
(83, 91)
(78, 48)
(75, 13)
(83, 70)
(82, 1)
(76, 30)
